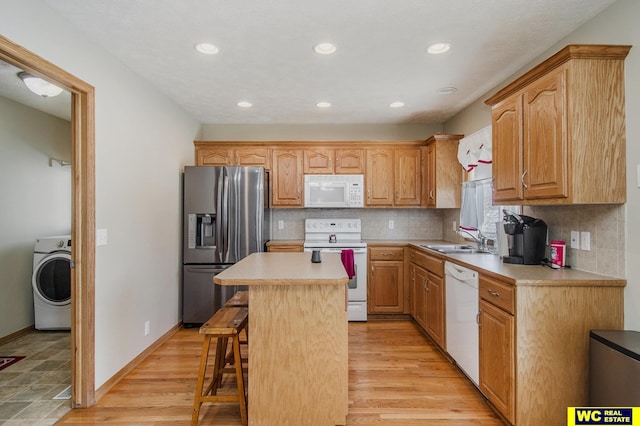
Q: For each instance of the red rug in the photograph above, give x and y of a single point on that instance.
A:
(6, 361)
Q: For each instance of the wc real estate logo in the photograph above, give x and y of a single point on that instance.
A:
(603, 416)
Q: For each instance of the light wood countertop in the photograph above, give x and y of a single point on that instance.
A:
(288, 269)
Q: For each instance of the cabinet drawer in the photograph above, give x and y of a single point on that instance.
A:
(386, 253)
(428, 262)
(498, 293)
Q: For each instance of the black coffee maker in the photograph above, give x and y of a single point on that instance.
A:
(526, 238)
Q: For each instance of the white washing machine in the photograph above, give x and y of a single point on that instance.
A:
(51, 282)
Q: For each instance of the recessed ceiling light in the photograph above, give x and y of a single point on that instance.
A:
(323, 104)
(438, 48)
(397, 104)
(206, 48)
(447, 90)
(324, 48)
(244, 104)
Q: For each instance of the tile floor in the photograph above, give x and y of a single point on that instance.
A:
(27, 388)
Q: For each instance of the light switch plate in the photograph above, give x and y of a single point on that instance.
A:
(101, 237)
(575, 240)
(585, 241)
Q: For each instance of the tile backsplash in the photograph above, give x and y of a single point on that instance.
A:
(605, 223)
(409, 224)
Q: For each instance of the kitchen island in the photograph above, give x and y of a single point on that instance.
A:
(298, 371)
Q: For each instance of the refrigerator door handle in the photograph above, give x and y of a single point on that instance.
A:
(225, 215)
(219, 215)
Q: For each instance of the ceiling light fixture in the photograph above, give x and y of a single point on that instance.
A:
(39, 86)
(447, 90)
(206, 48)
(244, 104)
(438, 48)
(323, 104)
(324, 48)
(396, 104)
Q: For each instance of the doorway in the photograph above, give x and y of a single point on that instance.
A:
(82, 214)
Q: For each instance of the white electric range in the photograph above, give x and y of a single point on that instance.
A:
(335, 235)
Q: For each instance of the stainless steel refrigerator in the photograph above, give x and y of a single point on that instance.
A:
(224, 219)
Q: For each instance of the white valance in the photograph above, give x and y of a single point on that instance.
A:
(475, 149)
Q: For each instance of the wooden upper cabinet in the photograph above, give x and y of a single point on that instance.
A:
(407, 177)
(442, 173)
(330, 161)
(349, 161)
(318, 161)
(286, 178)
(559, 130)
(214, 157)
(506, 121)
(255, 156)
(544, 137)
(379, 179)
(229, 156)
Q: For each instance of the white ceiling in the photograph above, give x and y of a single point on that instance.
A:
(266, 52)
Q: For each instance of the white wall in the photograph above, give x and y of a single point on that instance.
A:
(35, 201)
(617, 24)
(142, 141)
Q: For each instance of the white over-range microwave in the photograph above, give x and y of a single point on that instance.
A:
(334, 191)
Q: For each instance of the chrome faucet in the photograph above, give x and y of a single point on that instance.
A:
(481, 239)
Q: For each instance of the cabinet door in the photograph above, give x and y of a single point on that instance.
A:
(545, 138)
(214, 157)
(407, 180)
(379, 177)
(419, 302)
(497, 358)
(349, 161)
(318, 161)
(435, 308)
(385, 287)
(287, 175)
(255, 156)
(429, 194)
(507, 150)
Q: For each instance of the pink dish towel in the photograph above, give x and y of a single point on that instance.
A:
(347, 261)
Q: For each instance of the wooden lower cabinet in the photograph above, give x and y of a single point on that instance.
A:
(385, 284)
(534, 344)
(497, 363)
(285, 246)
(428, 295)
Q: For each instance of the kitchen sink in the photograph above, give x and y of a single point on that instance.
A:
(453, 248)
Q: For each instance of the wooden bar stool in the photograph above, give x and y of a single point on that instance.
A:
(240, 299)
(225, 324)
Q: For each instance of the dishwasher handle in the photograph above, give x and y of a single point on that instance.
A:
(460, 272)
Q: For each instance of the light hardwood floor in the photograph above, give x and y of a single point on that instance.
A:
(396, 377)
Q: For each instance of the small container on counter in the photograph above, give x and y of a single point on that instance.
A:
(558, 252)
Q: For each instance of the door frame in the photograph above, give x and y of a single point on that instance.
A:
(82, 215)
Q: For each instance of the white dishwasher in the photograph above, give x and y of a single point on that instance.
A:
(462, 311)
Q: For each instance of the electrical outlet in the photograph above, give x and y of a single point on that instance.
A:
(454, 228)
(585, 241)
(147, 328)
(575, 240)
(281, 224)
(392, 224)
